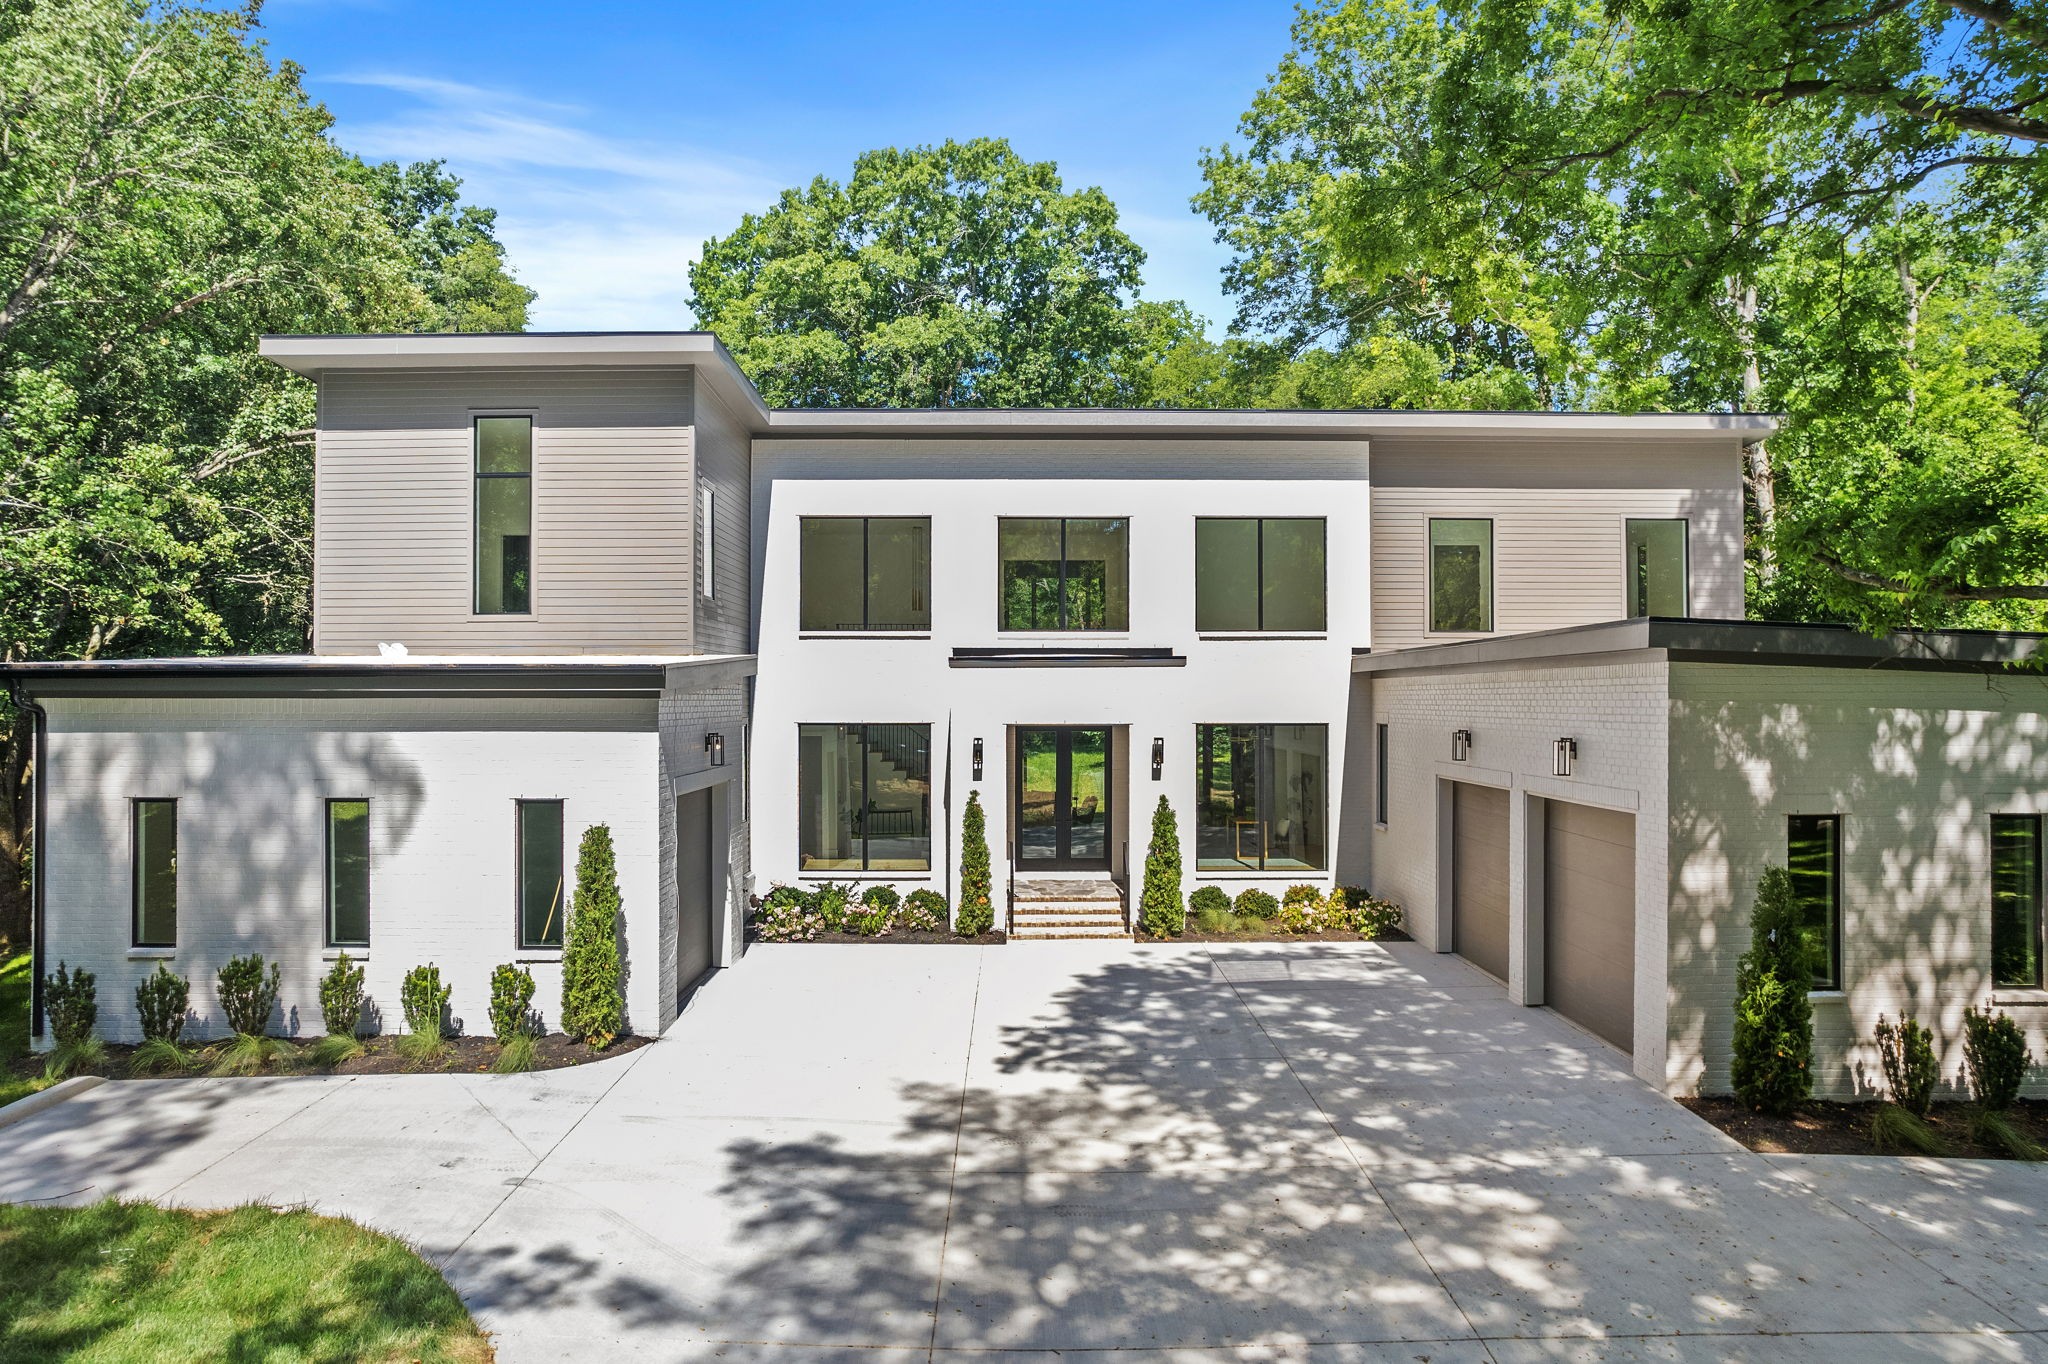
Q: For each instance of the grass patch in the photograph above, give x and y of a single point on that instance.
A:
(331, 1050)
(1996, 1130)
(247, 1054)
(161, 1056)
(119, 1282)
(14, 994)
(1894, 1131)
(423, 1048)
(519, 1054)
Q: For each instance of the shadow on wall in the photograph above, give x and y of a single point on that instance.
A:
(1915, 779)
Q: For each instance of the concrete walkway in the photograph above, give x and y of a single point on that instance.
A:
(1325, 1152)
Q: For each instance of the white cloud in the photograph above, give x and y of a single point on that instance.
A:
(603, 227)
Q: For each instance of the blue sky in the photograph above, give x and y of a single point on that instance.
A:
(614, 137)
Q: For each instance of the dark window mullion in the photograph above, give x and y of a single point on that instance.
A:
(867, 615)
(1063, 574)
(860, 781)
(1259, 591)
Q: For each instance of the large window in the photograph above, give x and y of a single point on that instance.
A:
(1460, 576)
(2016, 900)
(864, 796)
(866, 573)
(348, 873)
(1813, 853)
(1259, 573)
(1657, 579)
(1064, 574)
(504, 516)
(1263, 791)
(541, 906)
(155, 872)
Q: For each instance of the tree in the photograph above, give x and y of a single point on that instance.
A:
(977, 912)
(1771, 1063)
(952, 276)
(458, 264)
(1161, 911)
(593, 994)
(168, 195)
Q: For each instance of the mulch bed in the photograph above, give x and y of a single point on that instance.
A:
(953, 939)
(1392, 935)
(1820, 1128)
(380, 1057)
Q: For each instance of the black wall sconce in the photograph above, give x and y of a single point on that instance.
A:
(1563, 754)
(977, 760)
(714, 744)
(1158, 757)
(1461, 745)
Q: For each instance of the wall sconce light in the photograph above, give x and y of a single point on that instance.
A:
(1563, 754)
(1461, 745)
(714, 744)
(1158, 757)
(977, 760)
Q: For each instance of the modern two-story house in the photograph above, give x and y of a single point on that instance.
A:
(1492, 665)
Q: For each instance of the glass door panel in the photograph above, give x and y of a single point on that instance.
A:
(1063, 798)
(1038, 824)
(1088, 795)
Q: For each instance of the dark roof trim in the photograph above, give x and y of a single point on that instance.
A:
(1082, 657)
(330, 675)
(1730, 641)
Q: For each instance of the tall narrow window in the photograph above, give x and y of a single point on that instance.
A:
(2016, 900)
(1064, 574)
(864, 796)
(707, 540)
(1813, 854)
(1260, 573)
(1380, 804)
(1262, 791)
(541, 903)
(348, 873)
(504, 516)
(1460, 576)
(155, 873)
(1657, 580)
(865, 573)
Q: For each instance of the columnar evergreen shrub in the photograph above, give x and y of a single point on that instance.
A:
(924, 911)
(424, 1000)
(1161, 912)
(1910, 1067)
(248, 994)
(1995, 1057)
(160, 1002)
(71, 999)
(341, 997)
(511, 1002)
(1772, 1062)
(977, 896)
(1253, 903)
(593, 1000)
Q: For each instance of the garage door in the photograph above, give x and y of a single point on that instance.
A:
(1479, 876)
(694, 917)
(1589, 919)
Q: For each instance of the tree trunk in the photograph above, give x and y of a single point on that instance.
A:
(1762, 479)
(16, 817)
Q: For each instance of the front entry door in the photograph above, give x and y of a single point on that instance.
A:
(1063, 794)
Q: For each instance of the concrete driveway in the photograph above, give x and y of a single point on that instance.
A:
(1326, 1152)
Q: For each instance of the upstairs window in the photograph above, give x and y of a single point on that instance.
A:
(1813, 854)
(707, 541)
(541, 906)
(1460, 576)
(504, 516)
(1260, 573)
(2016, 901)
(1064, 574)
(348, 873)
(866, 573)
(1657, 576)
(155, 872)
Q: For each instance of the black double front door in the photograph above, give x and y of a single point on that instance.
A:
(1063, 798)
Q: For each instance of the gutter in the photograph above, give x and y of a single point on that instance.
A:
(18, 693)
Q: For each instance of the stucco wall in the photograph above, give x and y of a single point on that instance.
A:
(1916, 763)
(251, 777)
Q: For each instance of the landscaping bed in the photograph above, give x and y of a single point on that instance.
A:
(1819, 1128)
(894, 935)
(1269, 933)
(124, 1282)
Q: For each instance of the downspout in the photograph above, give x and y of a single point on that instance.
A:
(37, 758)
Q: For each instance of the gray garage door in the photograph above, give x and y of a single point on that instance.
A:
(1589, 919)
(694, 907)
(1479, 876)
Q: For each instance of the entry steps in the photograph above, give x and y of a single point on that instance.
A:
(1047, 907)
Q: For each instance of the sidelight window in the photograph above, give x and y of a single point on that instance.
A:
(2016, 901)
(504, 516)
(348, 873)
(542, 907)
(154, 872)
(1813, 854)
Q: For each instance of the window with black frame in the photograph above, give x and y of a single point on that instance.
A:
(1381, 792)
(155, 872)
(865, 573)
(2016, 901)
(504, 516)
(542, 908)
(1460, 576)
(1257, 573)
(1059, 573)
(1262, 796)
(864, 797)
(1813, 855)
(348, 873)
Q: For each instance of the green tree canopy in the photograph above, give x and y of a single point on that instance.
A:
(959, 275)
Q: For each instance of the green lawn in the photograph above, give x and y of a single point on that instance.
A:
(14, 978)
(128, 1281)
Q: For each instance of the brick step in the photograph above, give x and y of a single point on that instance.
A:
(1041, 908)
(1039, 933)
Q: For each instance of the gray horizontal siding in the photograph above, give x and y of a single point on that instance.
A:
(724, 458)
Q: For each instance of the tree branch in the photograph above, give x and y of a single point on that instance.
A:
(1932, 588)
(2001, 16)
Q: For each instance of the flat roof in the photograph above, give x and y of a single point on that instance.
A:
(234, 674)
(1728, 641)
(314, 355)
